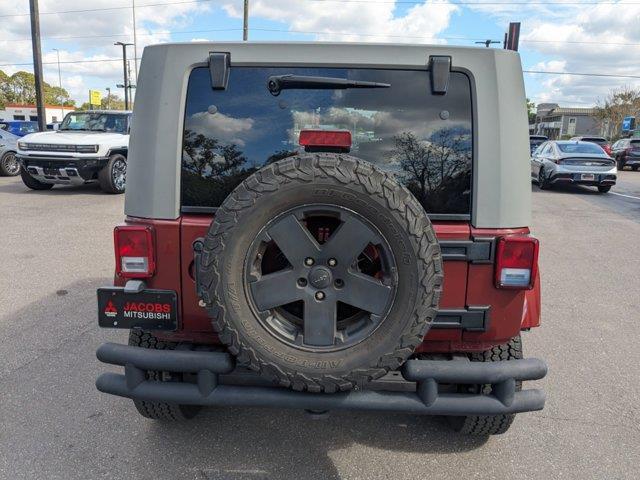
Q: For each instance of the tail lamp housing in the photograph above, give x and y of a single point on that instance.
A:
(516, 262)
(135, 252)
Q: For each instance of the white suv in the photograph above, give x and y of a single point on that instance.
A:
(89, 146)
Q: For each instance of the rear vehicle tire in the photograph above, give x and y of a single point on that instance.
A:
(543, 181)
(274, 320)
(159, 410)
(488, 424)
(32, 183)
(635, 168)
(112, 177)
(604, 188)
(9, 165)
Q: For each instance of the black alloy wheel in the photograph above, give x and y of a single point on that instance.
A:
(323, 290)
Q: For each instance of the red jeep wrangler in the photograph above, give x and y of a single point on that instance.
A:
(327, 226)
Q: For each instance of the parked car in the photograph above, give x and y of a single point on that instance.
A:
(627, 152)
(535, 141)
(90, 146)
(603, 142)
(19, 128)
(9, 165)
(573, 162)
(295, 221)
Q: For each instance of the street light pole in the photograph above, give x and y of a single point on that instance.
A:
(60, 85)
(245, 23)
(37, 63)
(126, 75)
(108, 89)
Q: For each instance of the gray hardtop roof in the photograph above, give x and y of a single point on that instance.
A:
(501, 184)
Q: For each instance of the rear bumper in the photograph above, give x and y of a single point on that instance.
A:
(426, 395)
(600, 179)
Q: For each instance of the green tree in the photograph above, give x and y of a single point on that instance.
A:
(617, 104)
(21, 88)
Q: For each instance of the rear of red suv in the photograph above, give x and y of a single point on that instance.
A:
(327, 250)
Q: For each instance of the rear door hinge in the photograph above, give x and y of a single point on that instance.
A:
(219, 67)
(440, 68)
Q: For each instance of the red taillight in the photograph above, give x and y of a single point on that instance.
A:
(325, 138)
(134, 251)
(516, 262)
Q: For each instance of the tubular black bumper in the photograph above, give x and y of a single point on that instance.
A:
(428, 374)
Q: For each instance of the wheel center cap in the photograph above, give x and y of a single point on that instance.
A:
(320, 277)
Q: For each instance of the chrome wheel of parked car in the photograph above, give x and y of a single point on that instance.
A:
(9, 165)
(113, 175)
(119, 173)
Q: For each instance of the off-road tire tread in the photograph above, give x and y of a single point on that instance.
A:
(158, 410)
(485, 425)
(343, 169)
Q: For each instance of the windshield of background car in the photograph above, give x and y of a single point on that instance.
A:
(28, 127)
(591, 148)
(599, 141)
(95, 122)
(534, 143)
(424, 139)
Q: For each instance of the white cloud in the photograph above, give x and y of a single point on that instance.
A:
(93, 36)
(356, 21)
(222, 127)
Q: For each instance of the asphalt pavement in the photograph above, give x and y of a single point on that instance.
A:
(56, 249)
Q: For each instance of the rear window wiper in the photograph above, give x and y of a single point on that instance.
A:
(277, 83)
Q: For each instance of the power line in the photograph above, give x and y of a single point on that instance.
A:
(111, 35)
(404, 2)
(184, 32)
(582, 74)
(542, 72)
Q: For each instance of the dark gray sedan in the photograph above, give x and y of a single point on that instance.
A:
(9, 165)
(582, 163)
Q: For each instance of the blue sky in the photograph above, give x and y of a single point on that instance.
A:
(560, 36)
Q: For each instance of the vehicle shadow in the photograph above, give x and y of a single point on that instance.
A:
(570, 189)
(252, 444)
(17, 187)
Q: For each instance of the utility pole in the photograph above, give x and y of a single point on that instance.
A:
(245, 24)
(60, 85)
(108, 89)
(37, 63)
(135, 39)
(126, 74)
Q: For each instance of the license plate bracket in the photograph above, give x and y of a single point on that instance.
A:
(149, 309)
(587, 176)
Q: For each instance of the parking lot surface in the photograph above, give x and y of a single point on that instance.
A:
(56, 249)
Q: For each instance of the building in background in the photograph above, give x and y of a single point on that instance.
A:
(14, 111)
(558, 122)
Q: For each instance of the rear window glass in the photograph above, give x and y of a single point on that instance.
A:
(599, 141)
(425, 140)
(580, 148)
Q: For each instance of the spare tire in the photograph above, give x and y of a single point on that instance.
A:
(321, 272)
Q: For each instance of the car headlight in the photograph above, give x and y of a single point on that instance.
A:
(22, 145)
(87, 148)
